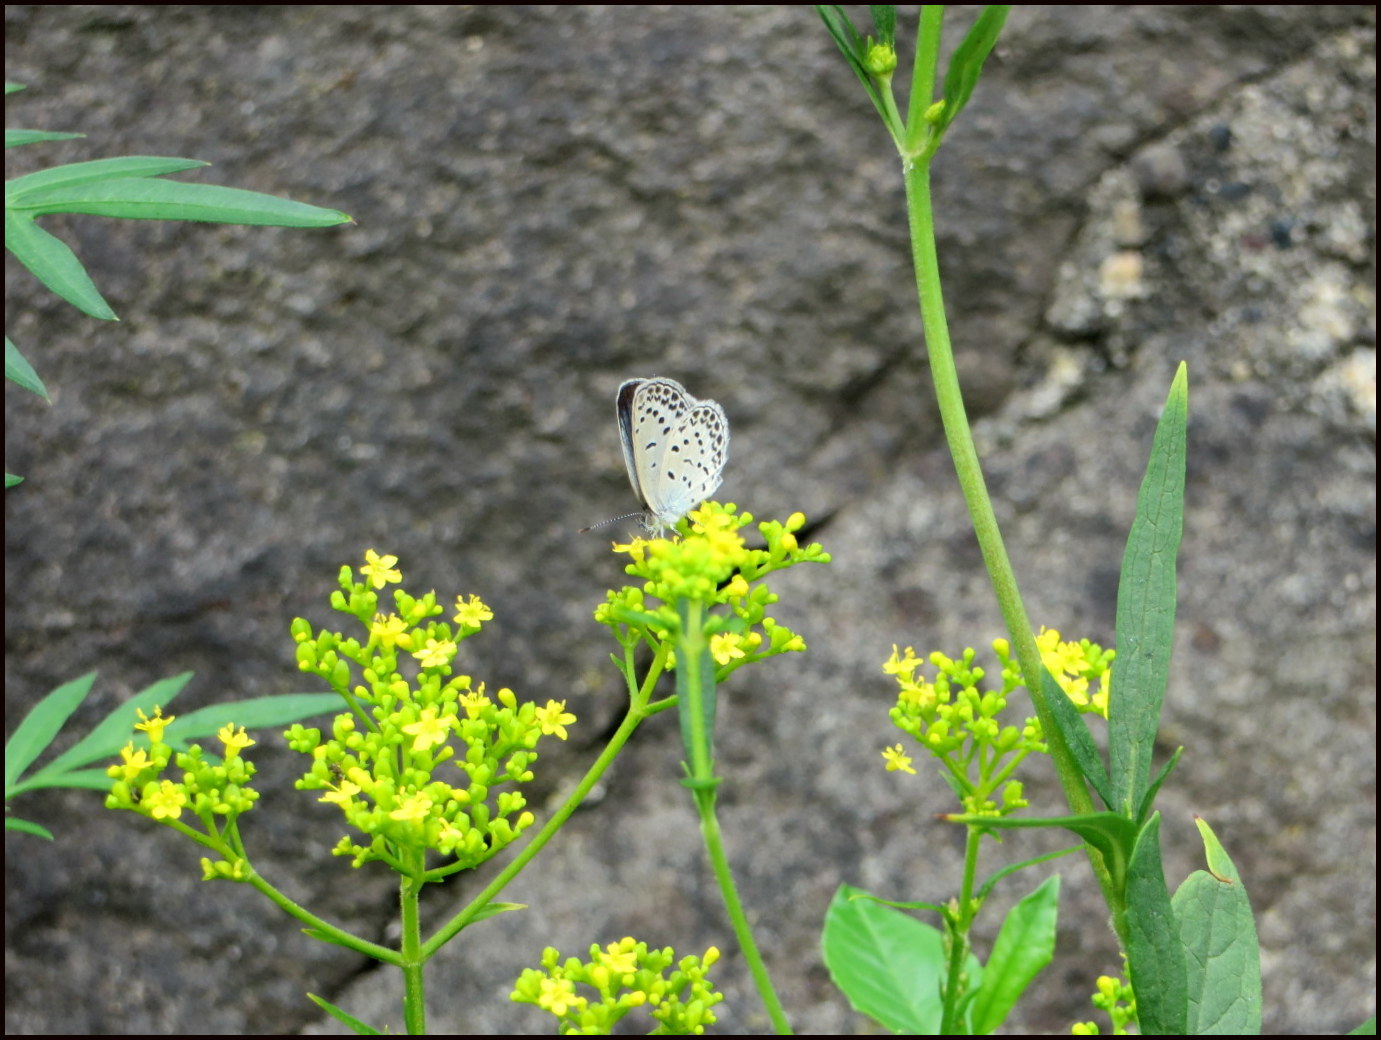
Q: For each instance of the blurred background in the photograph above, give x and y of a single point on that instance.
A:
(550, 200)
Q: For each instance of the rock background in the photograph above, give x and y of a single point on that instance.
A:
(550, 200)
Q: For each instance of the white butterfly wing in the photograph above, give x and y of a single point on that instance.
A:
(674, 445)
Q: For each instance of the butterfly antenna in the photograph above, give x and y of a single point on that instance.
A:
(606, 523)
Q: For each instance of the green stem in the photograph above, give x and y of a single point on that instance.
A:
(636, 713)
(414, 961)
(317, 927)
(719, 862)
(958, 926)
(695, 683)
(917, 177)
(923, 71)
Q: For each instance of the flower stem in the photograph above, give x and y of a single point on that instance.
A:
(916, 173)
(414, 961)
(636, 713)
(719, 862)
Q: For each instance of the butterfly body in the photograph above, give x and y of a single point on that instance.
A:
(674, 445)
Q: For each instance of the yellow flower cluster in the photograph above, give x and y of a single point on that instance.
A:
(623, 976)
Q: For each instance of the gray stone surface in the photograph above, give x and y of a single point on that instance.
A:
(550, 200)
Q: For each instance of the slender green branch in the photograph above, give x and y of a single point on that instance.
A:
(636, 713)
(325, 930)
(714, 845)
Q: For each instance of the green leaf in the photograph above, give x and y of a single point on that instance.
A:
(11, 480)
(854, 49)
(1219, 936)
(1148, 801)
(1367, 1028)
(1024, 946)
(885, 22)
(110, 734)
(12, 87)
(1112, 834)
(53, 264)
(988, 885)
(73, 174)
(889, 965)
(19, 371)
(967, 63)
(1155, 954)
(14, 823)
(41, 725)
(494, 909)
(1077, 737)
(344, 1017)
(149, 198)
(15, 138)
(253, 714)
(1146, 606)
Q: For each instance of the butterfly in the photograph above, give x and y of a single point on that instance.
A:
(674, 445)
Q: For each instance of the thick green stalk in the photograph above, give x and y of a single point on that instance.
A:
(695, 690)
(414, 962)
(917, 176)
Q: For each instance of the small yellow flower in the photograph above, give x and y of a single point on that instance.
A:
(637, 549)
(558, 996)
(379, 569)
(474, 702)
(724, 647)
(428, 730)
(164, 802)
(135, 763)
(620, 958)
(473, 613)
(897, 761)
(437, 653)
(554, 719)
(390, 631)
(341, 795)
(234, 741)
(414, 807)
(155, 726)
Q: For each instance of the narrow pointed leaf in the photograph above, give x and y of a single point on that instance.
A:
(885, 22)
(967, 64)
(1146, 606)
(55, 265)
(41, 725)
(355, 1025)
(256, 713)
(853, 48)
(19, 371)
(14, 823)
(1077, 737)
(151, 198)
(14, 138)
(1148, 801)
(74, 174)
(1155, 954)
(117, 729)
